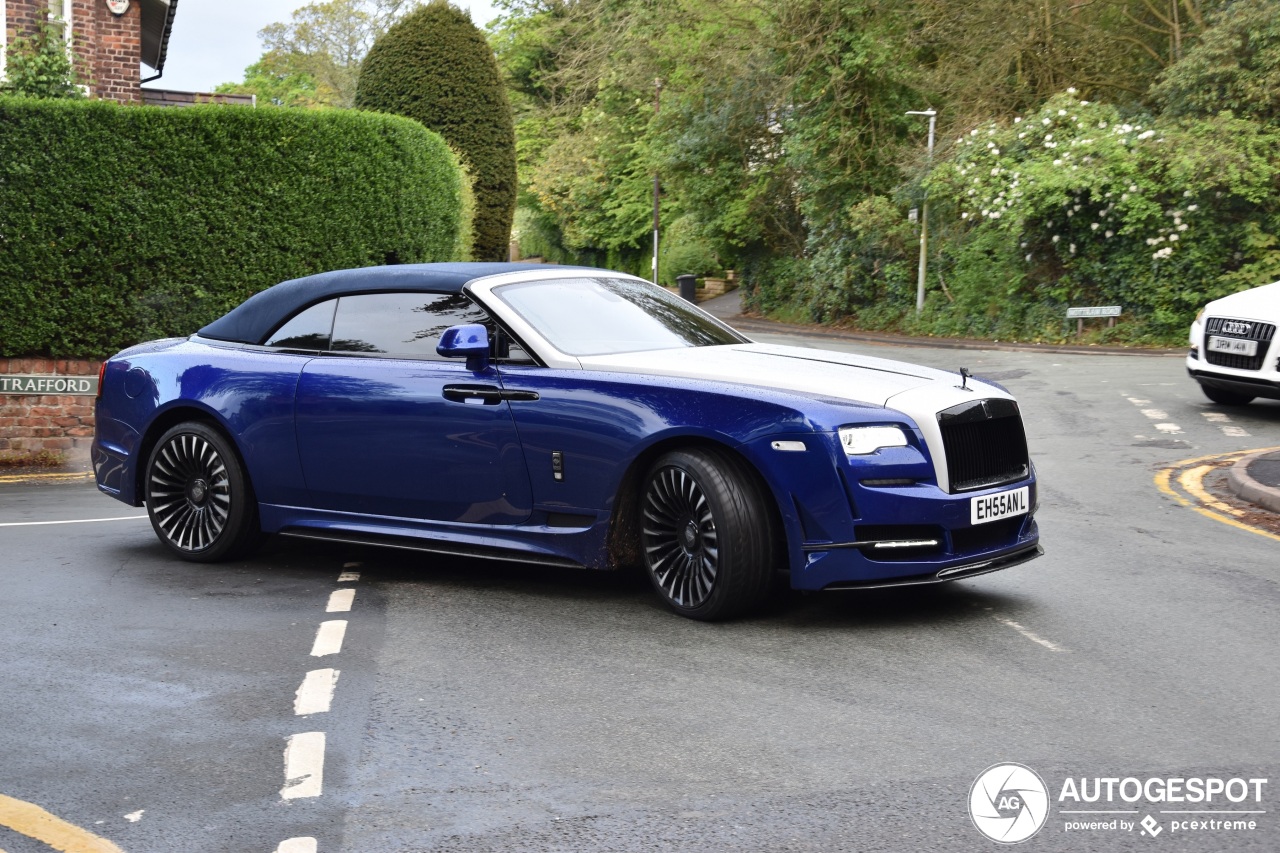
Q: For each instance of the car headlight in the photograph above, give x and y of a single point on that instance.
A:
(859, 441)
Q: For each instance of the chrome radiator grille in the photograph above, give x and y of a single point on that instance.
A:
(985, 444)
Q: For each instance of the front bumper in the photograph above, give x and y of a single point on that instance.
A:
(1239, 382)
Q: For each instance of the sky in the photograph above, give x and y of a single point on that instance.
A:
(213, 41)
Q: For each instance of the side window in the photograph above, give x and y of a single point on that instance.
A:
(309, 330)
(403, 325)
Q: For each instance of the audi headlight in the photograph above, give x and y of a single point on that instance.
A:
(859, 441)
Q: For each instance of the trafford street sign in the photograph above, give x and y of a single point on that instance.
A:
(49, 384)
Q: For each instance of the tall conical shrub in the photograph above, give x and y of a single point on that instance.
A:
(435, 66)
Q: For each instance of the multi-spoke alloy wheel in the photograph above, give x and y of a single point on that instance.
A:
(197, 495)
(681, 545)
(706, 534)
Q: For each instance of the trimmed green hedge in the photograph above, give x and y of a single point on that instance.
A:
(120, 224)
(433, 65)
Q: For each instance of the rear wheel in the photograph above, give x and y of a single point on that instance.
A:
(1226, 398)
(707, 534)
(198, 496)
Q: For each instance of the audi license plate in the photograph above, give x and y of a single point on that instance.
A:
(1000, 505)
(1235, 346)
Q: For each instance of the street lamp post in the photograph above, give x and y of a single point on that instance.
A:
(924, 214)
(657, 190)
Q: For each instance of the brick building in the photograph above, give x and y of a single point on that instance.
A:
(116, 40)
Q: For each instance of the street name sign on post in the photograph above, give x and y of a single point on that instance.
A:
(1085, 313)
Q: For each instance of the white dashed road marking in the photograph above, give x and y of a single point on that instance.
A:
(316, 692)
(340, 600)
(297, 845)
(1156, 415)
(348, 577)
(1223, 420)
(303, 766)
(329, 638)
(1033, 637)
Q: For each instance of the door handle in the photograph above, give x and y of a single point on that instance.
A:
(486, 395)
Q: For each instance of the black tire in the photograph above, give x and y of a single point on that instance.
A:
(1226, 398)
(198, 495)
(707, 534)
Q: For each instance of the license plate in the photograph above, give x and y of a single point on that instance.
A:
(1000, 505)
(1235, 346)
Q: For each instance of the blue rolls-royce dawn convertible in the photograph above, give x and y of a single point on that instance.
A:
(567, 416)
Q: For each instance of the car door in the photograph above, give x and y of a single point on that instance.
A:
(386, 427)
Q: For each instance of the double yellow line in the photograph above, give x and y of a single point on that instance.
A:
(1184, 482)
(47, 478)
(34, 822)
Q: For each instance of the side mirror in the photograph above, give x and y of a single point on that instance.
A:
(470, 342)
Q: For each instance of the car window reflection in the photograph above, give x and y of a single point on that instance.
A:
(602, 315)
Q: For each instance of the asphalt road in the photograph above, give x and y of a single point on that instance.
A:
(493, 707)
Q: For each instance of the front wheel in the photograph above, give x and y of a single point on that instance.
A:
(198, 496)
(1226, 398)
(707, 534)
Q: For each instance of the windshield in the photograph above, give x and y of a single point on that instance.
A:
(597, 316)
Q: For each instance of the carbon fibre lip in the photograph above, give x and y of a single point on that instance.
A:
(969, 570)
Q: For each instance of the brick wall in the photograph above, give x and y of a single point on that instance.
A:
(112, 46)
(109, 48)
(30, 423)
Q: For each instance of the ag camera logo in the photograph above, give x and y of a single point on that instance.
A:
(1008, 803)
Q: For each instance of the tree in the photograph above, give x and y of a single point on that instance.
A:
(271, 81)
(41, 66)
(435, 66)
(1235, 66)
(328, 41)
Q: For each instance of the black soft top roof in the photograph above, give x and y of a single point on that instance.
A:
(252, 320)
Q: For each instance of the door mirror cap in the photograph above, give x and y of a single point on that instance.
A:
(470, 341)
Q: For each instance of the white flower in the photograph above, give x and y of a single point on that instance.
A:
(1173, 238)
(1062, 112)
(1017, 119)
(1146, 134)
(1022, 136)
(964, 214)
(995, 152)
(1045, 121)
(1109, 234)
(973, 132)
(1055, 238)
(1093, 226)
(1133, 188)
(1192, 208)
(1057, 162)
(1028, 257)
(996, 170)
(1123, 196)
(1102, 125)
(1048, 136)
(1186, 193)
(995, 214)
(1072, 248)
(1084, 103)
(1071, 90)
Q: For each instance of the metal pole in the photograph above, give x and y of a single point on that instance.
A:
(657, 104)
(924, 215)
